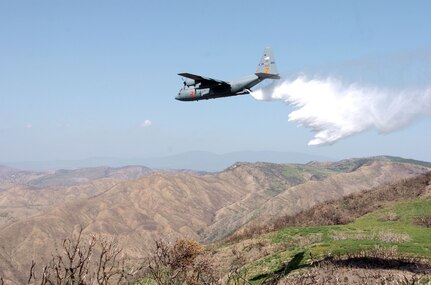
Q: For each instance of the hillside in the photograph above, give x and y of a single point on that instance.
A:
(26, 193)
(390, 243)
(177, 204)
(294, 188)
(346, 209)
(12, 177)
(373, 248)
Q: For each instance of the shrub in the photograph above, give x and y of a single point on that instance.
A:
(389, 217)
(424, 221)
(184, 262)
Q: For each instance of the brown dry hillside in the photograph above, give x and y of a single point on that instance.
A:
(26, 193)
(135, 213)
(176, 204)
(320, 183)
(10, 177)
(20, 201)
(346, 209)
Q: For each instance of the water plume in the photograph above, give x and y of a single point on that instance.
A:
(333, 110)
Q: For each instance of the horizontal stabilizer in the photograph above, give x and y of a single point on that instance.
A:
(267, 75)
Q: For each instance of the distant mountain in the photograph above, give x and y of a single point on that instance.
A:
(175, 204)
(195, 160)
(4, 170)
(82, 175)
(12, 177)
(207, 161)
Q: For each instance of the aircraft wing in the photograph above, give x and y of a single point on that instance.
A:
(204, 80)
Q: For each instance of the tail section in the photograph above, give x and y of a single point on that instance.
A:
(267, 67)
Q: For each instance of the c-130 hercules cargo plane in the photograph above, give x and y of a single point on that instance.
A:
(197, 87)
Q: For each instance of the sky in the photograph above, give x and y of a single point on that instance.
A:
(82, 79)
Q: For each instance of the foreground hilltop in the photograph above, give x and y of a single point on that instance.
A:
(34, 217)
(378, 236)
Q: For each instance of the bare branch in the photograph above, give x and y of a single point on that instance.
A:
(74, 264)
(31, 274)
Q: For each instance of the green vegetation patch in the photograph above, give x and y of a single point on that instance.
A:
(365, 234)
(274, 190)
(299, 173)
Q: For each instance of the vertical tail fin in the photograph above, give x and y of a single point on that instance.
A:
(267, 67)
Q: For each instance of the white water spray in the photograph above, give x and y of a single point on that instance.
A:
(334, 111)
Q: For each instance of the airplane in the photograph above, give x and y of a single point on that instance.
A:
(198, 87)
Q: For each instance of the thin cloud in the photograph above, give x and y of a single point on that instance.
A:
(147, 123)
(28, 126)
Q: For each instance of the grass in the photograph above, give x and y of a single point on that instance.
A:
(366, 233)
(274, 190)
(296, 172)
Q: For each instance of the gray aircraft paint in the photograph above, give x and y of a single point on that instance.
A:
(198, 87)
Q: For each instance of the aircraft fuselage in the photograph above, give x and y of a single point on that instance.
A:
(201, 92)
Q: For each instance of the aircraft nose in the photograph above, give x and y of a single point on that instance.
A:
(181, 95)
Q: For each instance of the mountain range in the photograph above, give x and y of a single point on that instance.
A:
(194, 160)
(135, 205)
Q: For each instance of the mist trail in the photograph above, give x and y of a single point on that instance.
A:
(334, 110)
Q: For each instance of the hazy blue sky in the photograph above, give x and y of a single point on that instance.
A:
(83, 79)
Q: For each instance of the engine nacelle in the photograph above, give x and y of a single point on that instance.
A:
(189, 82)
